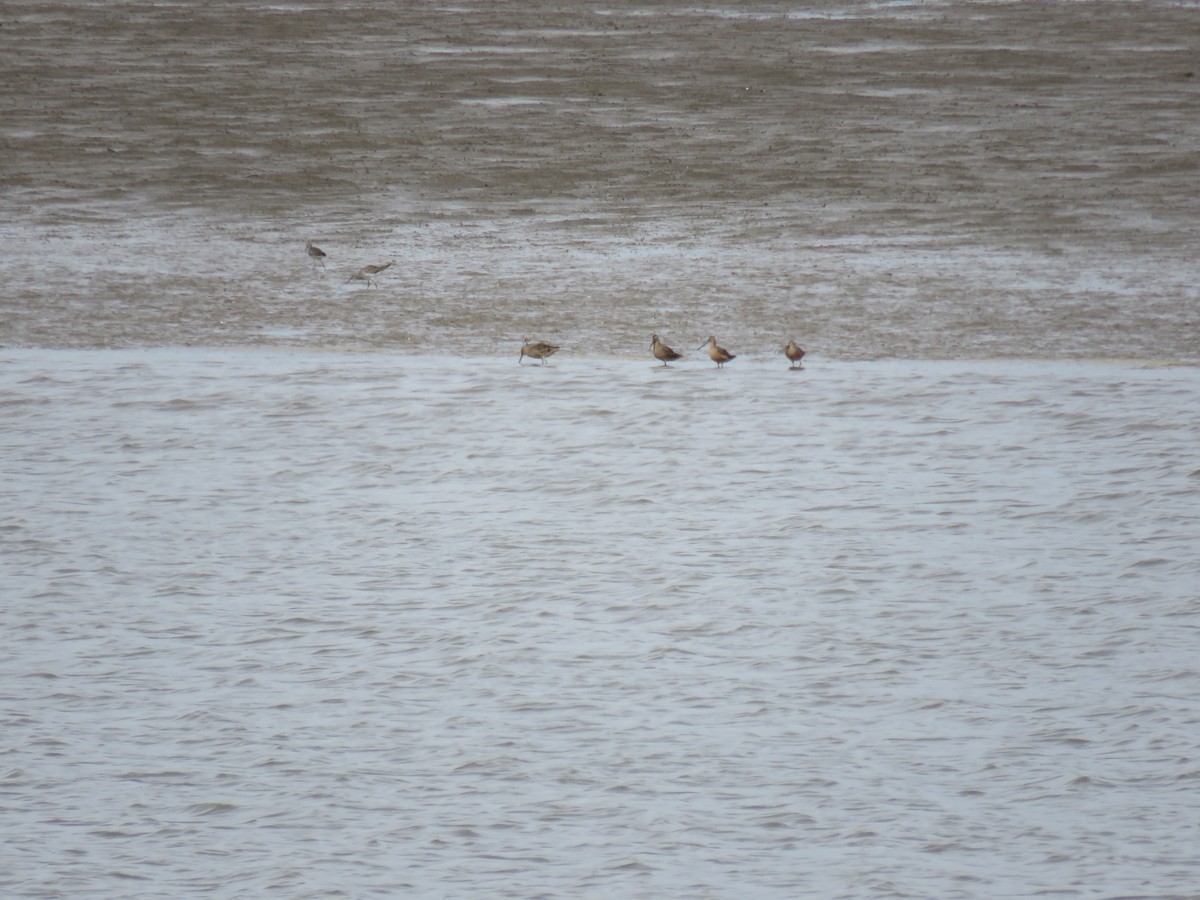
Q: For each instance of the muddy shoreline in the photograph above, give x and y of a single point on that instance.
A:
(929, 180)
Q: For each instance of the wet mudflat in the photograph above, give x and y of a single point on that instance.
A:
(913, 180)
(310, 589)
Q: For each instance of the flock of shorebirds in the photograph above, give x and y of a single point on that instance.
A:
(366, 273)
(543, 350)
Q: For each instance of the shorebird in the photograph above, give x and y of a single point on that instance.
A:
(662, 351)
(719, 355)
(368, 273)
(537, 350)
(795, 353)
(315, 253)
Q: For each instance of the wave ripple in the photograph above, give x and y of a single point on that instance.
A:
(349, 623)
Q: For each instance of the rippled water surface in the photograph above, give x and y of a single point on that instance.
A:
(308, 589)
(311, 624)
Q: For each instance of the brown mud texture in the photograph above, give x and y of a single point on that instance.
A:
(927, 180)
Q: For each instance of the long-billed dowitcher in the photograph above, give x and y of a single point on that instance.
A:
(719, 355)
(536, 350)
(795, 353)
(368, 273)
(662, 351)
(315, 253)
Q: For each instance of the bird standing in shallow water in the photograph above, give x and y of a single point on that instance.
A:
(536, 350)
(368, 273)
(315, 253)
(662, 351)
(719, 355)
(794, 352)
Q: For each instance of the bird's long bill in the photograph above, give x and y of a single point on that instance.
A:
(702, 346)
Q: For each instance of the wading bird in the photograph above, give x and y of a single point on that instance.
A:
(719, 355)
(662, 351)
(315, 253)
(368, 273)
(536, 350)
(795, 353)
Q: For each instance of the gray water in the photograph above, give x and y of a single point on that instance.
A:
(325, 624)
(308, 589)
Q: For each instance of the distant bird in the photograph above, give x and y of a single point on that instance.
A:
(315, 253)
(662, 351)
(536, 350)
(795, 353)
(368, 273)
(719, 355)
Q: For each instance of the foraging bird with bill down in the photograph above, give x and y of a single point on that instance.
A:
(662, 351)
(536, 350)
(368, 273)
(719, 355)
